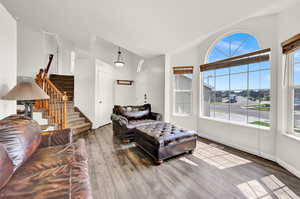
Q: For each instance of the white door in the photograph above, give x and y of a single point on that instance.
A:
(104, 93)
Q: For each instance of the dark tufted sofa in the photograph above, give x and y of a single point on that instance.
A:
(36, 164)
(126, 119)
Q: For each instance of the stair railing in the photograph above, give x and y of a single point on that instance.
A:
(56, 106)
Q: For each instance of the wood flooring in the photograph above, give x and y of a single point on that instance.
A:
(120, 171)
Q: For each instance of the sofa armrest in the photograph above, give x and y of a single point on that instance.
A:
(156, 116)
(57, 137)
(120, 119)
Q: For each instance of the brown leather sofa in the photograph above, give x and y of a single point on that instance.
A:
(41, 165)
(126, 118)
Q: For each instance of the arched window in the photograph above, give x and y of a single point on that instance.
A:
(239, 93)
(233, 45)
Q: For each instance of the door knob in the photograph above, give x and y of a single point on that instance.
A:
(100, 102)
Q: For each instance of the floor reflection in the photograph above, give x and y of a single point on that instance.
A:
(215, 156)
(266, 187)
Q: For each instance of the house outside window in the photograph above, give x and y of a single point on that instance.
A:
(294, 92)
(183, 78)
(238, 93)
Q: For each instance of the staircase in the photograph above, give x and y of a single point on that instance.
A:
(64, 83)
(77, 120)
(59, 110)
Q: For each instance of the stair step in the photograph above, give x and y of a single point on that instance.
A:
(76, 121)
(81, 128)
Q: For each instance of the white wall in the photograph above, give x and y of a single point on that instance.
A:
(34, 47)
(84, 87)
(255, 140)
(150, 81)
(107, 53)
(8, 57)
(269, 143)
(287, 147)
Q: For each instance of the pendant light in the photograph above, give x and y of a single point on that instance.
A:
(119, 63)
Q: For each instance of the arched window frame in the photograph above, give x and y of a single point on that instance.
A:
(202, 89)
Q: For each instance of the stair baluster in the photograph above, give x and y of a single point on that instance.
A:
(56, 106)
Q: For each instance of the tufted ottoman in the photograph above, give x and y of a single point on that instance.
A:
(164, 140)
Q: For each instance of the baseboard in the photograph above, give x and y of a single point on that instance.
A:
(290, 168)
(239, 147)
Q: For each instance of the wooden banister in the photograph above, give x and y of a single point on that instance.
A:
(55, 107)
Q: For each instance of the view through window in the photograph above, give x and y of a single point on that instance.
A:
(296, 90)
(183, 93)
(240, 93)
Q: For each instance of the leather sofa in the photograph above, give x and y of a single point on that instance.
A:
(125, 119)
(35, 164)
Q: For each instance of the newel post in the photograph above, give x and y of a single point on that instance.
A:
(65, 121)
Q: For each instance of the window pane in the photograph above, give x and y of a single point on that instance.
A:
(238, 81)
(254, 67)
(209, 73)
(222, 71)
(238, 69)
(297, 74)
(264, 65)
(265, 107)
(238, 102)
(265, 79)
(297, 110)
(183, 82)
(222, 83)
(183, 102)
(221, 105)
(210, 82)
(254, 80)
(209, 101)
(297, 56)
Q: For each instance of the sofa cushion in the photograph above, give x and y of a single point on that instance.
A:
(6, 167)
(20, 137)
(53, 156)
(65, 176)
(136, 123)
(134, 112)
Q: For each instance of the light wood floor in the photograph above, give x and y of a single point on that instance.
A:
(213, 171)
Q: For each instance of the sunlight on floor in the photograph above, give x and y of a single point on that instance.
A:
(215, 156)
(184, 159)
(267, 188)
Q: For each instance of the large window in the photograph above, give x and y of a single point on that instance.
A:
(239, 89)
(183, 90)
(294, 91)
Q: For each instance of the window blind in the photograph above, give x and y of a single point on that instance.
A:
(291, 44)
(183, 69)
(249, 58)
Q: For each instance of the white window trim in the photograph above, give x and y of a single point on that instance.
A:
(290, 122)
(174, 100)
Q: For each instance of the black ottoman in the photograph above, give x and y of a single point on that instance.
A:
(164, 140)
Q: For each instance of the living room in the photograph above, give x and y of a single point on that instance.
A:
(142, 99)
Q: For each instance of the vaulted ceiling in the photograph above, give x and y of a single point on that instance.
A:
(146, 27)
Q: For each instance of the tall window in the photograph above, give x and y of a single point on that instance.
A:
(183, 76)
(291, 48)
(237, 87)
(294, 91)
(296, 88)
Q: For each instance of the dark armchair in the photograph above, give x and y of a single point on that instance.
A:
(126, 118)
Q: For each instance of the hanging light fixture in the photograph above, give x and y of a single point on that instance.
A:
(119, 62)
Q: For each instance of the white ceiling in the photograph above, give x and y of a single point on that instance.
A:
(146, 27)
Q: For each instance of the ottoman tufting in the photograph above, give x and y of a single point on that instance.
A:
(164, 140)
